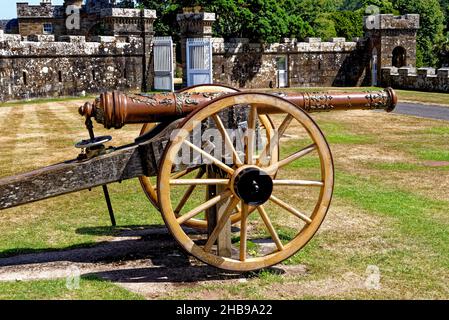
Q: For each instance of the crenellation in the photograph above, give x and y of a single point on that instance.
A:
(424, 79)
(443, 73)
(73, 39)
(41, 62)
(41, 38)
(424, 72)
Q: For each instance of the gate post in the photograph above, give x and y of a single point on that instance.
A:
(193, 25)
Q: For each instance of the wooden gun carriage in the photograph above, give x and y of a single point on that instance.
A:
(233, 184)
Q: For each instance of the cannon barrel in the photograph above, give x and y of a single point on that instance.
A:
(115, 109)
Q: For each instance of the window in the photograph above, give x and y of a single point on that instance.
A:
(24, 76)
(48, 28)
(399, 57)
(93, 75)
(60, 76)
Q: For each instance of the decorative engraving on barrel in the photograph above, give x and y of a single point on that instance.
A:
(149, 100)
(318, 101)
(377, 100)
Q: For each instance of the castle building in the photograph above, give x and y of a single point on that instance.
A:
(91, 46)
(76, 48)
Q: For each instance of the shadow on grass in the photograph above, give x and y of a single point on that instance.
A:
(151, 247)
(189, 274)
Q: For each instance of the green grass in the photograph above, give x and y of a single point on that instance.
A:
(395, 166)
(90, 288)
(409, 243)
(43, 100)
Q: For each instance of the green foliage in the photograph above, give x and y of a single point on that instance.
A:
(348, 24)
(430, 34)
(324, 27)
(270, 20)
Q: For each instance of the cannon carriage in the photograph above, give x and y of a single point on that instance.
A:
(244, 179)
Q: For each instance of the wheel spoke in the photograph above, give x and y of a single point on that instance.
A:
(182, 173)
(290, 209)
(227, 139)
(298, 183)
(214, 160)
(276, 166)
(274, 141)
(270, 228)
(221, 223)
(243, 231)
(252, 121)
(222, 196)
(205, 182)
(188, 193)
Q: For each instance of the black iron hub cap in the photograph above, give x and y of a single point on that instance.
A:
(253, 186)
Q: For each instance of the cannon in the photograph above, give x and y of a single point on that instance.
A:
(244, 179)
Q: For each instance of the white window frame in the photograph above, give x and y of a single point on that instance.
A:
(49, 27)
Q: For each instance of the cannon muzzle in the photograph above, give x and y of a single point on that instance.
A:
(116, 109)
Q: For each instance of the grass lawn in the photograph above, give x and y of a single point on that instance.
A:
(88, 288)
(390, 210)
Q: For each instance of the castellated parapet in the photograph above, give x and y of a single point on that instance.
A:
(422, 79)
(392, 22)
(41, 66)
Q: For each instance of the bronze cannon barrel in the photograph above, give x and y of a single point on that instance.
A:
(115, 109)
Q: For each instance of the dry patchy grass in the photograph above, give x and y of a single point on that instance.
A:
(389, 209)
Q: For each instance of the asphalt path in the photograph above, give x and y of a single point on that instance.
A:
(422, 110)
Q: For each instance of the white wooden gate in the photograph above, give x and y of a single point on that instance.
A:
(282, 72)
(163, 63)
(199, 61)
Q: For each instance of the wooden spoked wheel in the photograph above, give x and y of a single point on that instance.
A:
(280, 210)
(149, 187)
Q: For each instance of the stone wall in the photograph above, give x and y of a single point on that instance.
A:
(422, 79)
(338, 62)
(41, 67)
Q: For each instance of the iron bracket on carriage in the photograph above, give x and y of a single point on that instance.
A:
(244, 179)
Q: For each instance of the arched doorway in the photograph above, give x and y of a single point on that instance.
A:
(399, 57)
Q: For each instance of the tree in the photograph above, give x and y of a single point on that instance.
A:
(430, 34)
(324, 27)
(348, 24)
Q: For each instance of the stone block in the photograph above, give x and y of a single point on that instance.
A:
(443, 73)
(72, 39)
(41, 38)
(407, 71)
(313, 40)
(424, 72)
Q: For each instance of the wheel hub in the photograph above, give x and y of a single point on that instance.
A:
(253, 186)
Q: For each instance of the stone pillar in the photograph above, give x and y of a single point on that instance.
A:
(193, 25)
(148, 17)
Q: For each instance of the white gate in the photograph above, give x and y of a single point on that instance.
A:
(163, 63)
(282, 72)
(199, 61)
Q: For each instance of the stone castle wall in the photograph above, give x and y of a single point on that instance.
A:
(421, 79)
(312, 63)
(41, 67)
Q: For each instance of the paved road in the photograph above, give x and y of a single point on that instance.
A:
(425, 111)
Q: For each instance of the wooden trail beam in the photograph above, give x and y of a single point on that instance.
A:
(70, 176)
(135, 160)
